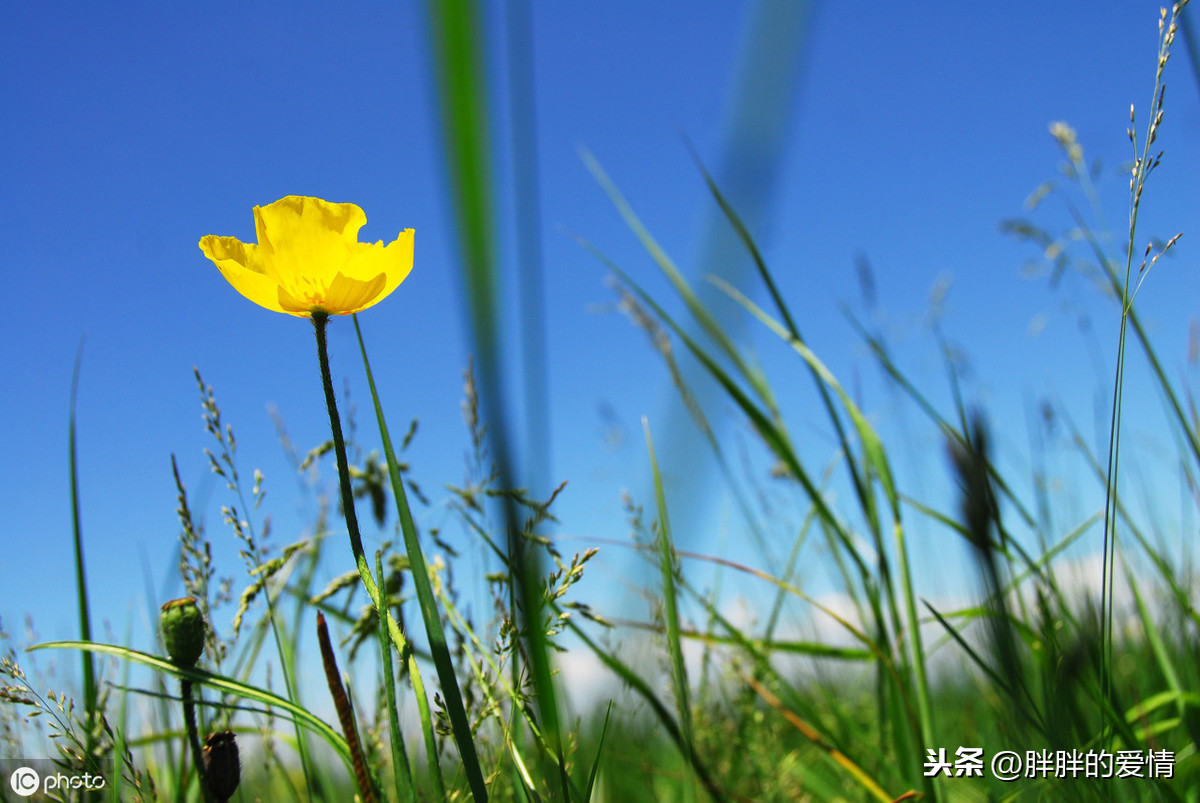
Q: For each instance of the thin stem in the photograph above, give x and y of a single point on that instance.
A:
(345, 714)
(320, 321)
(189, 718)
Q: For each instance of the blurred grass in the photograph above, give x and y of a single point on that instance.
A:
(459, 45)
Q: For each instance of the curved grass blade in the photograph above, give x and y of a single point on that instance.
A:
(875, 458)
(751, 247)
(81, 592)
(219, 683)
(703, 317)
(775, 439)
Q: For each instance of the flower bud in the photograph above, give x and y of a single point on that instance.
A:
(221, 764)
(183, 631)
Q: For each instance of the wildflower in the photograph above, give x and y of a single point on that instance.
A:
(308, 259)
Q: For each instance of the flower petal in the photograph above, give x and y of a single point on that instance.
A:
(394, 261)
(242, 266)
(346, 295)
(308, 237)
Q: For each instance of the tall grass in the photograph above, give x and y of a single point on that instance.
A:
(884, 706)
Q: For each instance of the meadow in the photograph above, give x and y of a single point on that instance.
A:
(1035, 690)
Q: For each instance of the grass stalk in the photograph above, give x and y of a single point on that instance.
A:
(406, 789)
(438, 648)
(1144, 163)
(435, 633)
(90, 693)
(683, 705)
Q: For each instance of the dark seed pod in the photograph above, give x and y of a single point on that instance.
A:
(221, 764)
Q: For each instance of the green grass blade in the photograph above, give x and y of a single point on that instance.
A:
(1188, 717)
(759, 652)
(876, 462)
(81, 592)
(595, 770)
(401, 771)
(775, 439)
(438, 647)
(839, 758)
(679, 676)
(996, 678)
(218, 683)
(428, 731)
(706, 320)
(642, 688)
(743, 233)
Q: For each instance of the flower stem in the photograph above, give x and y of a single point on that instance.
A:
(320, 321)
(189, 718)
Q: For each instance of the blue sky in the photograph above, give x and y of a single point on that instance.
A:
(131, 132)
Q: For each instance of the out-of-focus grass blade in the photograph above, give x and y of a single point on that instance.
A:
(1189, 717)
(666, 558)
(442, 660)
(595, 771)
(837, 756)
(458, 45)
(526, 195)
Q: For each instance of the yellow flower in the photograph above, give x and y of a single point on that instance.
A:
(308, 259)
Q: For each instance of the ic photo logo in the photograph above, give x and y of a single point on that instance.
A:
(29, 777)
(25, 781)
